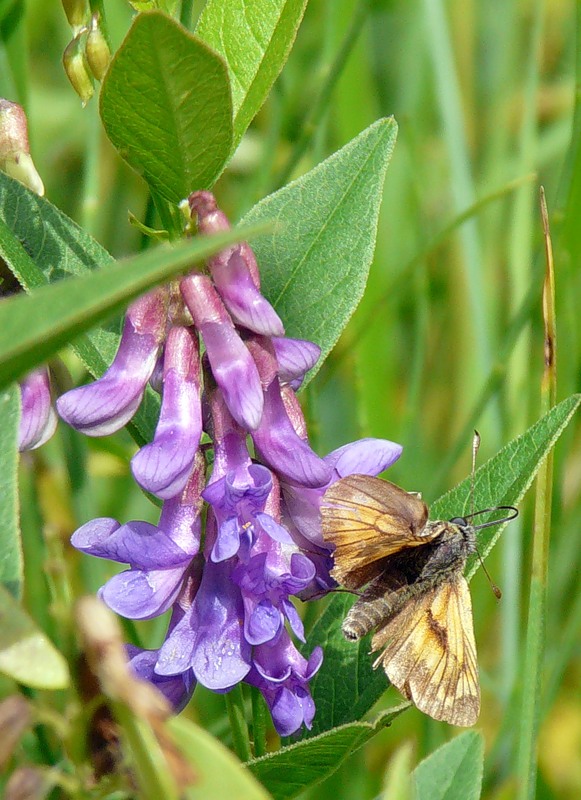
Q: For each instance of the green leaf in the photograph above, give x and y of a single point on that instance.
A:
(34, 327)
(165, 104)
(53, 247)
(314, 268)
(254, 38)
(505, 477)
(26, 654)
(346, 686)
(289, 771)
(453, 771)
(219, 773)
(11, 570)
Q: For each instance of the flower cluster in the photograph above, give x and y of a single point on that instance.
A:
(229, 586)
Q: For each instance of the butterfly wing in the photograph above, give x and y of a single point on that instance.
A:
(430, 653)
(368, 519)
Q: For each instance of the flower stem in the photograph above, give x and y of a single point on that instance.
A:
(237, 716)
(259, 720)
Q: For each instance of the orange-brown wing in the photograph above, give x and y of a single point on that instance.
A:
(430, 653)
(368, 519)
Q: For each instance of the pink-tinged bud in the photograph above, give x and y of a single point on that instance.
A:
(15, 157)
(37, 419)
(77, 12)
(77, 69)
(235, 272)
(97, 50)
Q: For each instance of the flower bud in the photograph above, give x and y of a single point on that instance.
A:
(97, 50)
(77, 12)
(77, 69)
(15, 157)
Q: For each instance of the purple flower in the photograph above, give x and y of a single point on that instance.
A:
(276, 440)
(266, 581)
(235, 273)
(282, 675)
(178, 689)
(232, 365)
(159, 556)
(162, 466)
(209, 637)
(107, 404)
(232, 610)
(38, 419)
(236, 498)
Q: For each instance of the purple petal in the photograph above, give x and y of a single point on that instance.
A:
(228, 540)
(234, 272)
(106, 405)
(180, 516)
(364, 457)
(288, 711)
(142, 595)
(210, 637)
(280, 447)
(278, 533)
(163, 466)
(243, 300)
(314, 663)
(178, 689)
(232, 365)
(140, 544)
(263, 624)
(38, 419)
(175, 655)
(295, 621)
(295, 357)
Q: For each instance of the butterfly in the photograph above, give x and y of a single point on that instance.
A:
(416, 597)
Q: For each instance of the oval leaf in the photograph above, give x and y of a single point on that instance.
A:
(314, 267)
(166, 106)
(254, 39)
(26, 654)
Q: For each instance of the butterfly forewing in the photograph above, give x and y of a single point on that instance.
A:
(430, 653)
(368, 519)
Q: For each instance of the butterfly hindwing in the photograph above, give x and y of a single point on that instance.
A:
(368, 519)
(430, 652)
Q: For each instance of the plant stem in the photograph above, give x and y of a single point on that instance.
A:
(237, 715)
(535, 637)
(259, 722)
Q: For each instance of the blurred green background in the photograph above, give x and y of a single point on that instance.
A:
(448, 337)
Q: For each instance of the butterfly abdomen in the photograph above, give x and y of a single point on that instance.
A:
(367, 614)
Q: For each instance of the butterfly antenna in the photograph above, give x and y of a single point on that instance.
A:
(496, 591)
(475, 447)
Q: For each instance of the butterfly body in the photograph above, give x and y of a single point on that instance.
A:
(414, 595)
(410, 572)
